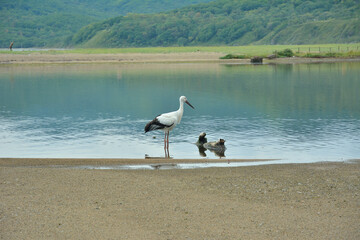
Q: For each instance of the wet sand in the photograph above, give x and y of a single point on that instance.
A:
(294, 201)
(46, 162)
(36, 58)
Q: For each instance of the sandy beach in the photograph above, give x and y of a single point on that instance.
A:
(294, 201)
(38, 58)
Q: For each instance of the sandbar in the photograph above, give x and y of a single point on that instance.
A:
(286, 201)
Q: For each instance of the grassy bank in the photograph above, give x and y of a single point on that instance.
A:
(254, 50)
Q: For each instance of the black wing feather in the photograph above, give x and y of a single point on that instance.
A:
(155, 125)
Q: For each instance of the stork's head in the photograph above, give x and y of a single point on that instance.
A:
(183, 99)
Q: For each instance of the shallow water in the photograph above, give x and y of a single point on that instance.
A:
(301, 112)
(170, 166)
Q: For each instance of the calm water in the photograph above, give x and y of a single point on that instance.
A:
(301, 112)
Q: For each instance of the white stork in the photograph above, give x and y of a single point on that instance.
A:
(167, 122)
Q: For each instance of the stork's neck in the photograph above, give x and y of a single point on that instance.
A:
(180, 111)
(181, 107)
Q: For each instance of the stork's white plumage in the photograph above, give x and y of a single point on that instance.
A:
(167, 122)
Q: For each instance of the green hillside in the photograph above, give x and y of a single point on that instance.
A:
(34, 23)
(231, 22)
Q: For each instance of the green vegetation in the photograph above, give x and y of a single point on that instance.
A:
(307, 51)
(33, 23)
(235, 56)
(285, 53)
(320, 55)
(53, 23)
(230, 22)
(331, 55)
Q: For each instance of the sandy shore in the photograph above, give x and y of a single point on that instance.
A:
(36, 57)
(296, 201)
(111, 58)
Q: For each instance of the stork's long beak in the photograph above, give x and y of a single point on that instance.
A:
(189, 104)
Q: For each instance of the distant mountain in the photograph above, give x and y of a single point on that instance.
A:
(230, 22)
(34, 23)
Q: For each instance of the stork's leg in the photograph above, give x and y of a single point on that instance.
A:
(168, 140)
(166, 145)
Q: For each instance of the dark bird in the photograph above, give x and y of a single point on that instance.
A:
(218, 147)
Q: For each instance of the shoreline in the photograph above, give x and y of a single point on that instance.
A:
(285, 201)
(153, 161)
(49, 162)
(193, 57)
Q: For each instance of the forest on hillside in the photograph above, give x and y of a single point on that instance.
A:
(39, 23)
(230, 22)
